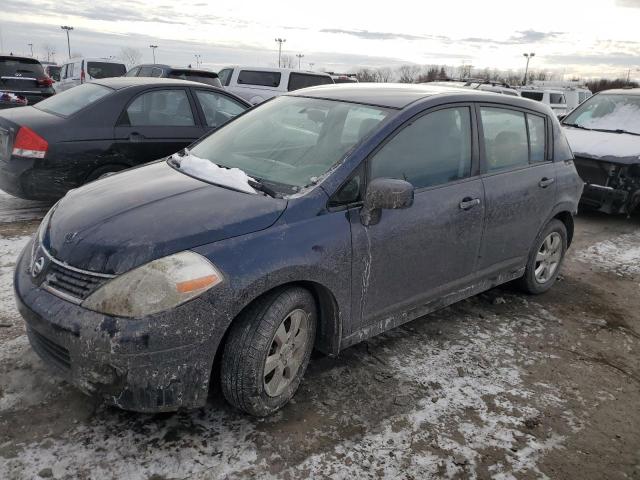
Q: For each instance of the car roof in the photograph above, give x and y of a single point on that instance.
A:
(19, 57)
(93, 59)
(275, 69)
(623, 91)
(118, 83)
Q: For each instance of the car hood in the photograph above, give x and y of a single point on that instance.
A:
(128, 219)
(620, 148)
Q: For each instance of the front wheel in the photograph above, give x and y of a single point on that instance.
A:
(545, 259)
(268, 350)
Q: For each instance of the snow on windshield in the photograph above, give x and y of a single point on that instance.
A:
(623, 116)
(210, 172)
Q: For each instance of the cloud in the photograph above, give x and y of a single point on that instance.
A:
(628, 3)
(611, 59)
(367, 35)
(520, 37)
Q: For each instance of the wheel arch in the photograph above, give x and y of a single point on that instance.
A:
(567, 219)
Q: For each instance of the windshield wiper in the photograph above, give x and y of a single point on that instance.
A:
(257, 184)
(582, 127)
(617, 130)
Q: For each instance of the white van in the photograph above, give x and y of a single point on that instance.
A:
(554, 98)
(575, 96)
(257, 84)
(80, 70)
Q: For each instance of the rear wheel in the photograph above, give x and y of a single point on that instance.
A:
(545, 259)
(268, 350)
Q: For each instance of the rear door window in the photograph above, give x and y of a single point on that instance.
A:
(260, 78)
(505, 138)
(218, 108)
(537, 137)
(431, 150)
(105, 69)
(303, 80)
(160, 108)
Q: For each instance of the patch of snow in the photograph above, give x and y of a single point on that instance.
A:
(210, 172)
(625, 116)
(619, 255)
(10, 248)
(603, 144)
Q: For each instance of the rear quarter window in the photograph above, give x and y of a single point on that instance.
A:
(73, 100)
(263, 79)
(303, 80)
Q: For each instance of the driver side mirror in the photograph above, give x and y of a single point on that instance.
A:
(385, 193)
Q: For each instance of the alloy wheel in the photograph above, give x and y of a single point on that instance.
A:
(548, 257)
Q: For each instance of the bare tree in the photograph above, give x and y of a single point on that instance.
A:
(50, 51)
(287, 61)
(383, 74)
(408, 73)
(131, 56)
(366, 75)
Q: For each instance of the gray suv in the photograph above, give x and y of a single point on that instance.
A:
(316, 220)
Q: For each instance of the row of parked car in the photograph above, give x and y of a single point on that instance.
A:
(255, 234)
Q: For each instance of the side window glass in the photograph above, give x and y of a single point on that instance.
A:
(70, 70)
(350, 192)
(161, 108)
(537, 134)
(133, 72)
(156, 72)
(432, 150)
(218, 109)
(145, 71)
(505, 138)
(225, 76)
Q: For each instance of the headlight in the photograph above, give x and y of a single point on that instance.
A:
(156, 286)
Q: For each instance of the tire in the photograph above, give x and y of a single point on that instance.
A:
(105, 171)
(261, 333)
(551, 245)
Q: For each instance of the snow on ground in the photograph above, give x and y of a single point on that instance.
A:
(619, 255)
(10, 248)
(13, 209)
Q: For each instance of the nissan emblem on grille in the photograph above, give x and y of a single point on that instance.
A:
(38, 266)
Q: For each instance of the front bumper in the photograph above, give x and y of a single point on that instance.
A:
(159, 363)
(605, 199)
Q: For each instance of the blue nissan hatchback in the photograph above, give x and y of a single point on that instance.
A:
(316, 220)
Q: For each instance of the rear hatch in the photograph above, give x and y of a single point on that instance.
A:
(24, 76)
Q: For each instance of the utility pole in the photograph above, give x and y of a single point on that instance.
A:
(67, 29)
(300, 56)
(153, 49)
(526, 70)
(280, 41)
(198, 62)
(31, 47)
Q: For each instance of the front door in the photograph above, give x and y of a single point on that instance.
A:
(519, 182)
(156, 124)
(415, 255)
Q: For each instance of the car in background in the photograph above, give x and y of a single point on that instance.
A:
(103, 127)
(165, 71)
(53, 71)
(554, 98)
(575, 96)
(604, 134)
(81, 70)
(314, 221)
(343, 77)
(496, 87)
(257, 84)
(23, 78)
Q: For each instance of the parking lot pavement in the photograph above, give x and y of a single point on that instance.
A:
(502, 385)
(14, 209)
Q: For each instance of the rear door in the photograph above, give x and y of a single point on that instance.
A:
(216, 108)
(416, 255)
(157, 123)
(519, 182)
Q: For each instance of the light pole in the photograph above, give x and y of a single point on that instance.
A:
(153, 49)
(526, 70)
(198, 62)
(31, 47)
(67, 29)
(311, 64)
(300, 56)
(280, 42)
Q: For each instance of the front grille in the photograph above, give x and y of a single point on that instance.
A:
(49, 351)
(77, 284)
(594, 172)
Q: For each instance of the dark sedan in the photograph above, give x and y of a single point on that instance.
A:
(102, 127)
(23, 78)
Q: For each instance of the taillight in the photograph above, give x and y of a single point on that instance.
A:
(29, 144)
(45, 82)
(82, 76)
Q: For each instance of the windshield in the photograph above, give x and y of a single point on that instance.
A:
(73, 100)
(105, 69)
(290, 141)
(608, 112)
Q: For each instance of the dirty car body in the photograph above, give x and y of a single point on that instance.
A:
(375, 246)
(604, 134)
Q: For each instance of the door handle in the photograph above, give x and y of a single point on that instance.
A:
(545, 182)
(136, 137)
(468, 203)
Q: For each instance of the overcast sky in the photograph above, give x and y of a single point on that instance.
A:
(588, 38)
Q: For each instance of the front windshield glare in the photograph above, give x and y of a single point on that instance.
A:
(608, 112)
(290, 141)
